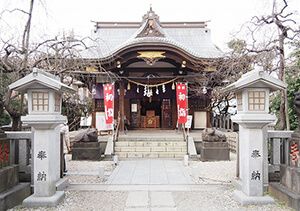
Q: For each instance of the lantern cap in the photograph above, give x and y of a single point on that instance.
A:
(257, 78)
(39, 78)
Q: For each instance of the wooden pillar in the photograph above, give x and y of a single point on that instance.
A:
(121, 106)
(93, 113)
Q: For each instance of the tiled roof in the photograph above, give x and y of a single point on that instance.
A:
(193, 39)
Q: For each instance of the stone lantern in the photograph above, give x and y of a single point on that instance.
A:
(252, 95)
(44, 93)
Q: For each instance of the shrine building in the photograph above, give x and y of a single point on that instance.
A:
(148, 58)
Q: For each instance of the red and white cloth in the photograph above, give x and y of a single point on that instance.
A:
(181, 96)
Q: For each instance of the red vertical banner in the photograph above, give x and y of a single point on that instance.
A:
(108, 94)
(181, 96)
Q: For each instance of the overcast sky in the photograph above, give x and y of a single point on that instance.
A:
(52, 17)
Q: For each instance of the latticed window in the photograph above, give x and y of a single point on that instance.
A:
(239, 100)
(256, 100)
(40, 101)
(57, 102)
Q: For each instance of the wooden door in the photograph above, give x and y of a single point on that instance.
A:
(166, 113)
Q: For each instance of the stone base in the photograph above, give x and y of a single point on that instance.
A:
(62, 184)
(14, 196)
(284, 194)
(214, 151)
(243, 199)
(237, 184)
(86, 151)
(290, 177)
(51, 201)
(9, 177)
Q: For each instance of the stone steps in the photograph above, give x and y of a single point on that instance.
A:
(150, 149)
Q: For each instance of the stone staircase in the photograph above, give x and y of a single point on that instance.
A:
(150, 147)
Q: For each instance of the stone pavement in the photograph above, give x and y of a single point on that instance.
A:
(143, 200)
(150, 172)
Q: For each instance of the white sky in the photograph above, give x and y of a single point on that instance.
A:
(52, 17)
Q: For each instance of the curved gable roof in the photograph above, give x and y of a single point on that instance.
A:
(193, 38)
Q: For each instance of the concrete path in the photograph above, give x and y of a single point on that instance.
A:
(150, 172)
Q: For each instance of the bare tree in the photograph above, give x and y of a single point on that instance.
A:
(60, 55)
(282, 24)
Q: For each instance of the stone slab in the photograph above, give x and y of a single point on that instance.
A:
(243, 199)
(62, 184)
(33, 201)
(127, 149)
(134, 155)
(137, 199)
(86, 145)
(121, 144)
(214, 151)
(290, 177)
(8, 177)
(282, 193)
(86, 151)
(163, 209)
(158, 149)
(14, 196)
(161, 199)
(137, 209)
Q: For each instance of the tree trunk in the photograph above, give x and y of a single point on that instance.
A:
(284, 118)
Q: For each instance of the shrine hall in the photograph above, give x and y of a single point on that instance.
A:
(148, 59)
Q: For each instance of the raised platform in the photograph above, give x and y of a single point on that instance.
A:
(86, 151)
(214, 151)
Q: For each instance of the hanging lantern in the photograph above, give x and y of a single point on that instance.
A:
(137, 89)
(163, 88)
(157, 91)
(128, 86)
(173, 86)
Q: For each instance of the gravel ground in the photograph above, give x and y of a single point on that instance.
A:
(216, 200)
(86, 172)
(215, 178)
(213, 172)
(86, 201)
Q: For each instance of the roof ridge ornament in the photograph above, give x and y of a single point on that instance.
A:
(151, 25)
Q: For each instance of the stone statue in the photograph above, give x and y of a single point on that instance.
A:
(86, 135)
(213, 135)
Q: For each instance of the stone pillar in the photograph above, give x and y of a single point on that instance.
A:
(252, 158)
(46, 159)
(276, 152)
